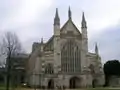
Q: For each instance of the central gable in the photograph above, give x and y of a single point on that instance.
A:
(69, 27)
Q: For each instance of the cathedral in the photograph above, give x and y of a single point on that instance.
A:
(64, 60)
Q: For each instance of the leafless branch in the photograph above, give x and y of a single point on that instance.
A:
(10, 44)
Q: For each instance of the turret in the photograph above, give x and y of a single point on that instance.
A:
(56, 24)
(41, 49)
(56, 19)
(56, 42)
(84, 33)
(83, 24)
(69, 13)
(96, 49)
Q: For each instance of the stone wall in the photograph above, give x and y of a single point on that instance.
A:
(114, 81)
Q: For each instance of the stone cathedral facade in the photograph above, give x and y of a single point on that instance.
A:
(64, 59)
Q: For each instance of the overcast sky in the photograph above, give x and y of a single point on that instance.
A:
(33, 19)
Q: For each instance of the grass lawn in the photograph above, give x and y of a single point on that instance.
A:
(3, 88)
(77, 89)
(108, 88)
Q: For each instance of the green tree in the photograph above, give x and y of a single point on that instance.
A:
(111, 67)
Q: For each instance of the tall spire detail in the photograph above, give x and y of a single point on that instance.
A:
(69, 13)
(41, 48)
(84, 24)
(42, 40)
(96, 48)
(56, 19)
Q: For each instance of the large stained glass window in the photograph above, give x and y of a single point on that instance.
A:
(70, 57)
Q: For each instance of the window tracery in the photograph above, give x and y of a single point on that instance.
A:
(49, 69)
(70, 57)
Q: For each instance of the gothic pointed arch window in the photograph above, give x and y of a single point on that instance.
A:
(49, 69)
(70, 57)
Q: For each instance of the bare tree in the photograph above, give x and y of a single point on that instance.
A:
(10, 46)
(11, 43)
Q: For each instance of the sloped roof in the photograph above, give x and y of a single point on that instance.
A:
(51, 39)
(69, 20)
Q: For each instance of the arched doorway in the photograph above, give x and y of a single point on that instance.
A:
(74, 82)
(51, 84)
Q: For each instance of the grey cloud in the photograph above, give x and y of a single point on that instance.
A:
(8, 10)
(31, 34)
(108, 42)
(108, 39)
